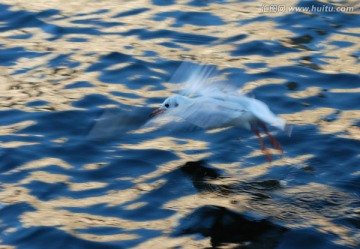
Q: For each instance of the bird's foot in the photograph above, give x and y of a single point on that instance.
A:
(264, 149)
(275, 144)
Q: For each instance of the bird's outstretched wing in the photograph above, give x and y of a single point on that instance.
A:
(115, 122)
(196, 80)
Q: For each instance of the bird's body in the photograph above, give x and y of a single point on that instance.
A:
(220, 111)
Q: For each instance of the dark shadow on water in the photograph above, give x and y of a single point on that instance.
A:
(203, 177)
(224, 226)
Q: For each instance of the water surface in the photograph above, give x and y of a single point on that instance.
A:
(78, 79)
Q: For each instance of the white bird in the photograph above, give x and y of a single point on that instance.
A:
(212, 105)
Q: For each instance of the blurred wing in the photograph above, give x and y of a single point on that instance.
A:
(200, 80)
(117, 122)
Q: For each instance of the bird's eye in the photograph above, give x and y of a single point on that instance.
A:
(176, 104)
(167, 105)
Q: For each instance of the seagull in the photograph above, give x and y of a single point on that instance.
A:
(213, 104)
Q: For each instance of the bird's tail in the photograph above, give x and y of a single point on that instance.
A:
(262, 112)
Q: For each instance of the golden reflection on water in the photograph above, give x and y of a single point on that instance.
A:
(308, 92)
(262, 169)
(168, 143)
(41, 163)
(50, 213)
(44, 176)
(10, 129)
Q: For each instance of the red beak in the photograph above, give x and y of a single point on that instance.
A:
(157, 112)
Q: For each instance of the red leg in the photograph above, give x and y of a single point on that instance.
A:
(273, 141)
(262, 144)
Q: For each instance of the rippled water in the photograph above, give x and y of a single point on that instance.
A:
(79, 78)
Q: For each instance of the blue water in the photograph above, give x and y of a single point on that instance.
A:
(78, 171)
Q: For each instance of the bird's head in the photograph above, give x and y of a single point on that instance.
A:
(170, 103)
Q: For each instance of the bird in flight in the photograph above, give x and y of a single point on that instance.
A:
(210, 104)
